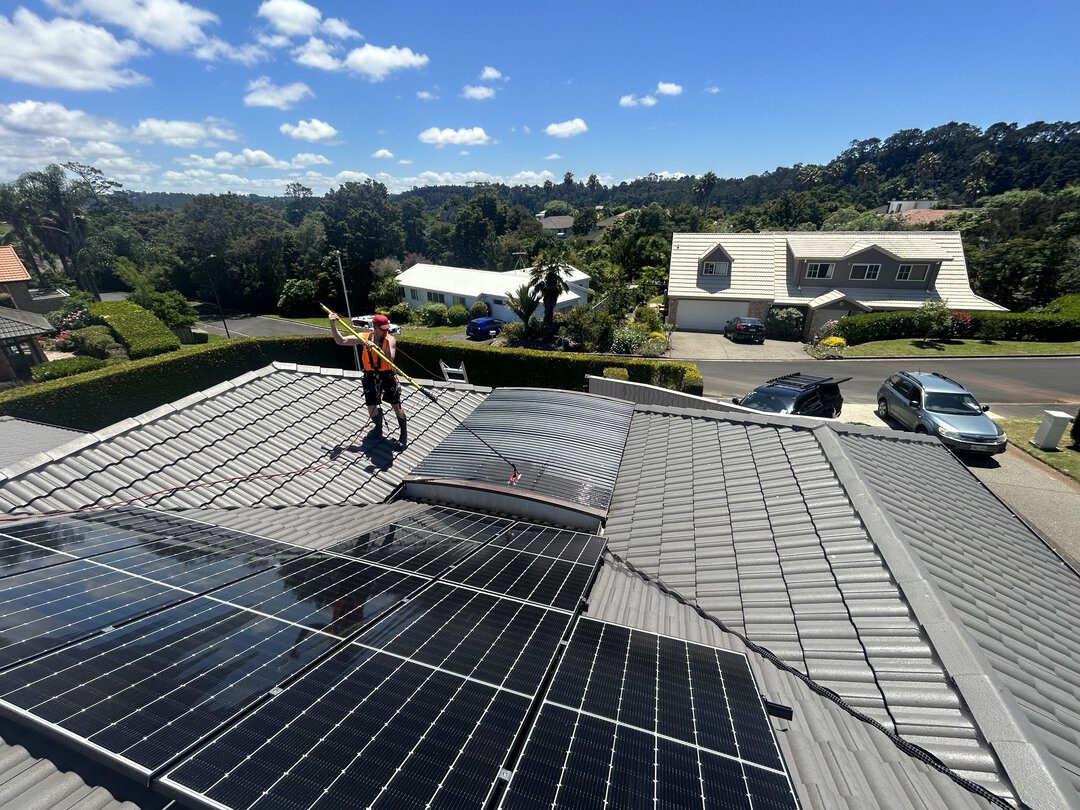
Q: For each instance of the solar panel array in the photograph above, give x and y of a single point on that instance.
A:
(403, 667)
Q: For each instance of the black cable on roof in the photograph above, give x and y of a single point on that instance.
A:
(906, 746)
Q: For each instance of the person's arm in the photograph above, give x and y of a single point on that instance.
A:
(340, 339)
(391, 348)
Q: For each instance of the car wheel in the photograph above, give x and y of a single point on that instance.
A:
(921, 429)
(761, 342)
(883, 408)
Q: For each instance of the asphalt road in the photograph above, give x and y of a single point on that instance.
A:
(1018, 387)
(250, 325)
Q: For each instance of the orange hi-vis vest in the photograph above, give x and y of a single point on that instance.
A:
(370, 360)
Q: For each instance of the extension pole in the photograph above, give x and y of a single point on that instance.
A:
(348, 309)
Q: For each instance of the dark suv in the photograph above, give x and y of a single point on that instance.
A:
(934, 404)
(802, 394)
(484, 328)
(743, 328)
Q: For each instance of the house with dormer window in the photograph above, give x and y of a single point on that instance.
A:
(717, 276)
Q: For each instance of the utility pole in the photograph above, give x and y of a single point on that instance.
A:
(348, 309)
(213, 288)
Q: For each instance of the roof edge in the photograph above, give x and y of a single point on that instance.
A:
(1029, 768)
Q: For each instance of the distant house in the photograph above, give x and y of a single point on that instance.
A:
(561, 226)
(437, 284)
(19, 349)
(602, 225)
(900, 206)
(15, 281)
(717, 276)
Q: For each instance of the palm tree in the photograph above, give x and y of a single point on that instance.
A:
(547, 281)
(523, 303)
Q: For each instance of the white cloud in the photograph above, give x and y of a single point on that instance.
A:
(309, 159)
(404, 162)
(291, 17)
(554, 156)
(185, 134)
(424, 95)
(339, 29)
(668, 89)
(529, 178)
(246, 158)
(317, 53)
(382, 153)
(566, 129)
(633, 101)
(273, 40)
(264, 93)
(171, 25)
(64, 53)
(49, 118)
(477, 92)
(712, 88)
(214, 50)
(473, 136)
(377, 63)
(490, 74)
(313, 130)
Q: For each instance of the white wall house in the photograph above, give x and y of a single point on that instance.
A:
(438, 284)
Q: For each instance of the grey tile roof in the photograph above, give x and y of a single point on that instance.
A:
(280, 436)
(21, 438)
(16, 323)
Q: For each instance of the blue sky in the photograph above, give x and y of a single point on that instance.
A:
(247, 96)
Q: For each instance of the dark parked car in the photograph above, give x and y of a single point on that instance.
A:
(743, 328)
(802, 394)
(484, 328)
(939, 406)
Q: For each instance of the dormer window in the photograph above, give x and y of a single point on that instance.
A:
(865, 272)
(912, 272)
(817, 270)
(715, 268)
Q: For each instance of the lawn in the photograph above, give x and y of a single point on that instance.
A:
(909, 347)
(1065, 459)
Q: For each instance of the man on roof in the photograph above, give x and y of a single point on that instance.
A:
(377, 353)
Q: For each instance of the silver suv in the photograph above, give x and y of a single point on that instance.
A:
(934, 404)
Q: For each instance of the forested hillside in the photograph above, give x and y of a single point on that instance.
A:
(1012, 191)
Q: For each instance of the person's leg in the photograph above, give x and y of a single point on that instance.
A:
(392, 395)
(371, 399)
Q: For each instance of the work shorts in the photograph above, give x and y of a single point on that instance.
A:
(381, 386)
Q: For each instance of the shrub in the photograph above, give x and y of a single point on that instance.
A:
(400, 313)
(479, 309)
(616, 373)
(648, 319)
(960, 325)
(432, 314)
(95, 341)
(457, 315)
(1025, 326)
(297, 298)
(627, 340)
(140, 333)
(831, 348)
(64, 342)
(200, 336)
(589, 330)
(871, 326)
(514, 330)
(1074, 433)
(932, 319)
(6, 300)
(75, 318)
(65, 367)
(785, 323)
(170, 307)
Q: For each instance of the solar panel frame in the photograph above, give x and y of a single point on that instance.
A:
(531, 577)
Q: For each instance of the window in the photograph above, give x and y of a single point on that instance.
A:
(912, 272)
(414, 294)
(459, 299)
(819, 271)
(498, 302)
(868, 272)
(436, 298)
(715, 268)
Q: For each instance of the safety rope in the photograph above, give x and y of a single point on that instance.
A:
(906, 746)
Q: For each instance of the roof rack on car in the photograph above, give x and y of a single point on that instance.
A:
(805, 380)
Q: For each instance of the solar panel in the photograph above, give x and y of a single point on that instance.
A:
(147, 691)
(410, 549)
(456, 523)
(562, 543)
(499, 641)
(360, 729)
(534, 578)
(634, 718)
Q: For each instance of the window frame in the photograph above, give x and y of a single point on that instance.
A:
(715, 268)
(910, 272)
(436, 297)
(830, 267)
(414, 294)
(866, 272)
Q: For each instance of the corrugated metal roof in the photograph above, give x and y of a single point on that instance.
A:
(566, 445)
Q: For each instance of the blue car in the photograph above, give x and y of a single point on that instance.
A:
(484, 328)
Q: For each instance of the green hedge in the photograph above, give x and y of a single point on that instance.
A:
(65, 368)
(1030, 326)
(99, 398)
(141, 333)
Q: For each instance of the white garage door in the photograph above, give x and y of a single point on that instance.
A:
(708, 316)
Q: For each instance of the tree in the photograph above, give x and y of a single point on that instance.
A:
(523, 302)
(593, 184)
(298, 202)
(704, 187)
(548, 281)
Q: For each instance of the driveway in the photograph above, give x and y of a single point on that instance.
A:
(694, 346)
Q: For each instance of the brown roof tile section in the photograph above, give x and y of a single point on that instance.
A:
(11, 267)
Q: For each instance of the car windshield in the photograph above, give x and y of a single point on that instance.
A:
(773, 403)
(959, 404)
